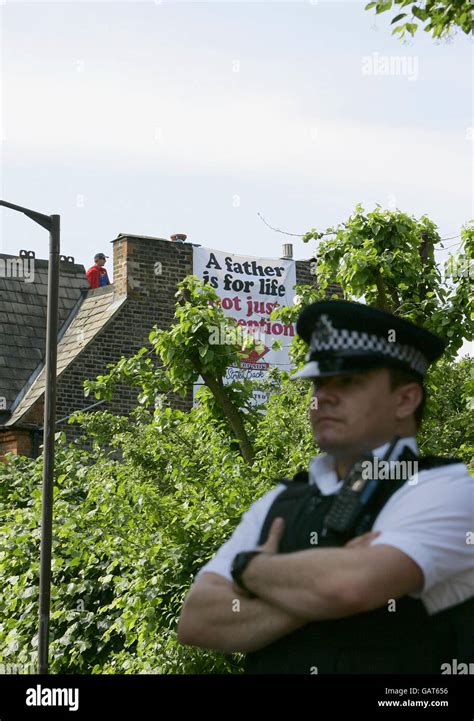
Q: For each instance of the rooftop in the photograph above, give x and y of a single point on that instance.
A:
(88, 317)
(23, 299)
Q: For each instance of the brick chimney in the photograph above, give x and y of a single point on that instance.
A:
(148, 269)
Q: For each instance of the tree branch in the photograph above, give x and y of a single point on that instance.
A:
(382, 301)
(217, 388)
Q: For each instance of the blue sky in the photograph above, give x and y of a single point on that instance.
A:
(162, 117)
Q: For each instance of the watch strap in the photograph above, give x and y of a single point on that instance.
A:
(237, 575)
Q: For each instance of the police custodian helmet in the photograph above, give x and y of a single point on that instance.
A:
(347, 337)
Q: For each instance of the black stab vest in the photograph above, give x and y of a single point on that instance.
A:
(406, 640)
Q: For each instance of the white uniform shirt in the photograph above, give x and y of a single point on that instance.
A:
(430, 518)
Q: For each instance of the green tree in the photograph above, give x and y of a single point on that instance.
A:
(448, 429)
(438, 17)
(202, 341)
(387, 259)
(137, 514)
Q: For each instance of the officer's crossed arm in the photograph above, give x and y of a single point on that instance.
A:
(216, 615)
(326, 583)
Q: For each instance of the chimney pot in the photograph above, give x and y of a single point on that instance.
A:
(178, 237)
(287, 251)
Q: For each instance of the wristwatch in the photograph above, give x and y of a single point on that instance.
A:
(239, 564)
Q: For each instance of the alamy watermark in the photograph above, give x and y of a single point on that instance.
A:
(8, 669)
(390, 65)
(380, 470)
(22, 268)
(457, 667)
(457, 269)
(239, 336)
(42, 696)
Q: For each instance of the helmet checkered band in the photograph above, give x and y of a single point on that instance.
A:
(326, 337)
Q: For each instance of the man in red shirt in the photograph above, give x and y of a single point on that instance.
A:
(97, 275)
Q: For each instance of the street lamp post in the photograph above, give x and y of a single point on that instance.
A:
(51, 223)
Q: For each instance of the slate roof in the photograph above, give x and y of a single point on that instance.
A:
(23, 319)
(96, 308)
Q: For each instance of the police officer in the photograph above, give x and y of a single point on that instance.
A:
(363, 563)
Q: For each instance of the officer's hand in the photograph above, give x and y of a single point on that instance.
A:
(364, 540)
(274, 536)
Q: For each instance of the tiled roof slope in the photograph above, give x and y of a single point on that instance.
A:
(23, 320)
(96, 310)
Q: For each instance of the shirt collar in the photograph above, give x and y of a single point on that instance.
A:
(322, 468)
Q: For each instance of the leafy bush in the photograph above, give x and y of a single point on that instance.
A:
(132, 525)
(448, 429)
